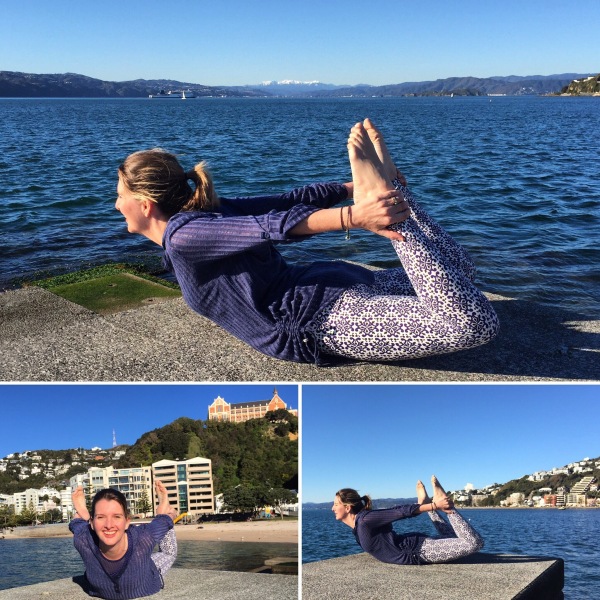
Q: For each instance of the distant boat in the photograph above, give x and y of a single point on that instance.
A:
(180, 95)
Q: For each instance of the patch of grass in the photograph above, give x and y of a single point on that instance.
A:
(100, 271)
(110, 288)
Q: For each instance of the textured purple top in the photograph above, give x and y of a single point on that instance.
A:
(229, 270)
(136, 575)
(374, 533)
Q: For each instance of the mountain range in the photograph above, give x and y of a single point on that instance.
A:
(14, 84)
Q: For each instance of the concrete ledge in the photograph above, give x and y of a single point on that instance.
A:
(47, 338)
(481, 576)
(179, 583)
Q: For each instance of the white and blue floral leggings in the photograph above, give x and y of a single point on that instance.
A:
(167, 552)
(457, 539)
(428, 306)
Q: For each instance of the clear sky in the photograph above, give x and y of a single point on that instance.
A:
(380, 439)
(58, 417)
(236, 42)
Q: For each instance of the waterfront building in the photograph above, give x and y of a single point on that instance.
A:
(92, 481)
(220, 410)
(189, 484)
(66, 503)
(42, 500)
(134, 483)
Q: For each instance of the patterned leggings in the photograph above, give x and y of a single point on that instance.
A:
(428, 306)
(457, 540)
(167, 552)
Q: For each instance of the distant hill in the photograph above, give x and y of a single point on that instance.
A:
(587, 86)
(257, 452)
(513, 85)
(378, 503)
(71, 85)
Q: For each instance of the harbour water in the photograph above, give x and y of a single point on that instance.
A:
(513, 179)
(35, 560)
(568, 534)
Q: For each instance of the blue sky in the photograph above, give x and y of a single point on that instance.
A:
(233, 42)
(58, 417)
(380, 439)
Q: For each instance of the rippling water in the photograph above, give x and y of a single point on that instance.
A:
(568, 534)
(513, 179)
(29, 561)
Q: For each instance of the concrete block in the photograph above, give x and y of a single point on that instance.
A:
(477, 577)
(193, 584)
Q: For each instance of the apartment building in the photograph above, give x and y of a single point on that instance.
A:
(134, 483)
(189, 484)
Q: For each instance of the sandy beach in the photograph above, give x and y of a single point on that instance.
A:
(275, 531)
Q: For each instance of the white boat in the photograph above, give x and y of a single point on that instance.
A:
(180, 95)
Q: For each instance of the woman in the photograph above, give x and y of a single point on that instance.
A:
(374, 533)
(119, 562)
(222, 252)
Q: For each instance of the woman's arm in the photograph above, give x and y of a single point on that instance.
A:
(78, 498)
(371, 214)
(158, 527)
(386, 516)
(318, 195)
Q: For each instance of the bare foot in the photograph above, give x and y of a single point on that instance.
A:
(440, 498)
(368, 173)
(164, 506)
(392, 172)
(422, 497)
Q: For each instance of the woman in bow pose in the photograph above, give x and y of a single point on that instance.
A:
(223, 254)
(374, 533)
(119, 559)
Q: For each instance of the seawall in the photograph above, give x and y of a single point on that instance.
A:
(179, 583)
(479, 577)
(47, 338)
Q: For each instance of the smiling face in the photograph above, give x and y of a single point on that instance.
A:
(110, 523)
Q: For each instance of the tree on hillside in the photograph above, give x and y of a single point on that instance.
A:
(285, 420)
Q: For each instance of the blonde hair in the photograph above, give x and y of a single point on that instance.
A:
(157, 175)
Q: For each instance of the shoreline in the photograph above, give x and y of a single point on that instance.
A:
(264, 531)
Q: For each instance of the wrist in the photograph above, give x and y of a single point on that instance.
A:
(346, 219)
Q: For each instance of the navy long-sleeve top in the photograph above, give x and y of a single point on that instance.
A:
(374, 533)
(133, 576)
(229, 270)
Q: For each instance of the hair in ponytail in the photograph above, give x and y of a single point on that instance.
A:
(352, 498)
(204, 197)
(157, 175)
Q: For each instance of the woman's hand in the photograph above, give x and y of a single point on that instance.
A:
(377, 213)
(78, 498)
(444, 504)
